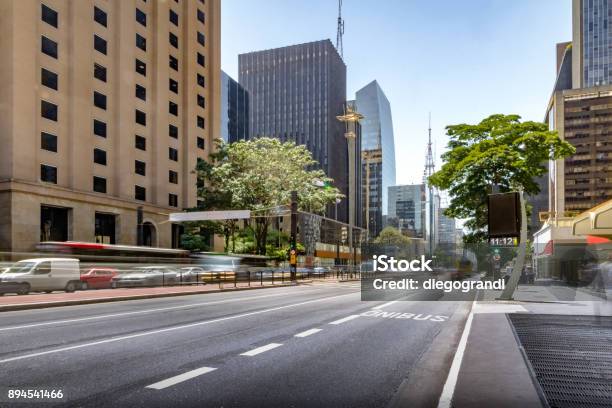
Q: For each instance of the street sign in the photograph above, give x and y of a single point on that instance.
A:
(504, 215)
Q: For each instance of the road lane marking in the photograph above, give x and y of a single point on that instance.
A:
(307, 333)
(180, 378)
(161, 309)
(261, 349)
(167, 329)
(345, 319)
(446, 398)
(384, 305)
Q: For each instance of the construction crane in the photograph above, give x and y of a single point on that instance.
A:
(430, 167)
(340, 31)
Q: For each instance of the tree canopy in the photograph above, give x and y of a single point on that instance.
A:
(259, 175)
(500, 150)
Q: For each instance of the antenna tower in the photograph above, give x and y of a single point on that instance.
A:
(340, 31)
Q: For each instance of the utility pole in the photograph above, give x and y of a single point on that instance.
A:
(351, 118)
(293, 238)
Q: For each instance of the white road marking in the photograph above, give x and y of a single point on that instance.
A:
(497, 308)
(345, 319)
(180, 378)
(167, 329)
(161, 309)
(261, 349)
(448, 391)
(307, 333)
(384, 305)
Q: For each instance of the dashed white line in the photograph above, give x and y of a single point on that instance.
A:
(180, 378)
(345, 319)
(384, 305)
(167, 329)
(307, 333)
(261, 349)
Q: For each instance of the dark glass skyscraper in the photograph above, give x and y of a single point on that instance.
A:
(295, 93)
(234, 110)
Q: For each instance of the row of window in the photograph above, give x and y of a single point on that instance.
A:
(48, 174)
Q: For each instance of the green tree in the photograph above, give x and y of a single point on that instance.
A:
(391, 236)
(500, 150)
(259, 175)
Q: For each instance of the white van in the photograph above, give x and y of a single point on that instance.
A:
(41, 275)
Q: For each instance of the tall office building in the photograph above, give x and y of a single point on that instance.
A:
(406, 209)
(580, 109)
(446, 228)
(234, 110)
(105, 106)
(296, 93)
(378, 154)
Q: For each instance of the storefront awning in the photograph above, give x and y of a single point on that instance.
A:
(596, 222)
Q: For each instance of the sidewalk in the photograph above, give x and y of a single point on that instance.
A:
(43, 300)
(496, 370)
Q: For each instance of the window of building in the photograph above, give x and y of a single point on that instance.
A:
(48, 110)
(173, 131)
(201, 61)
(201, 101)
(99, 184)
(174, 18)
(49, 15)
(201, 144)
(99, 100)
(140, 167)
(100, 72)
(140, 143)
(141, 42)
(100, 157)
(172, 154)
(48, 142)
(200, 122)
(141, 117)
(173, 86)
(48, 174)
(173, 108)
(100, 44)
(48, 46)
(200, 16)
(173, 40)
(140, 193)
(141, 17)
(201, 39)
(105, 228)
(172, 177)
(172, 200)
(99, 128)
(48, 78)
(173, 63)
(201, 80)
(141, 67)
(100, 16)
(141, 92)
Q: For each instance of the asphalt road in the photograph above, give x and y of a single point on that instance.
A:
(298, 346)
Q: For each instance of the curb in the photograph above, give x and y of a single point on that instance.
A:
(44, 305)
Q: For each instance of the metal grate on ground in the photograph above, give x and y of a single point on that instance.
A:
(571, 357)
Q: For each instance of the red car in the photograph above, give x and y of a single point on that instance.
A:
(97, 278)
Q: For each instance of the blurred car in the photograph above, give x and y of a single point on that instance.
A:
(190, 274)
(146, 276)
(41, 275)
(320, 271)
(98, 278)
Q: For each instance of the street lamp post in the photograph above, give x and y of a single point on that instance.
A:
(351, 118)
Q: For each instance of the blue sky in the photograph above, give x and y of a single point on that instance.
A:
(461, 60)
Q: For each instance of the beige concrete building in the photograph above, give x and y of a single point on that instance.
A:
(105, 106)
